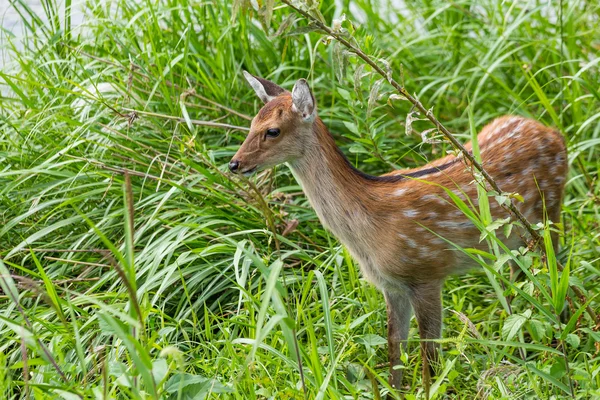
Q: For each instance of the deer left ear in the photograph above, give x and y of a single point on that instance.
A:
(303, 101)
(266, 90)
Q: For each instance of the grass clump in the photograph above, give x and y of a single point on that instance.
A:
(134, 266)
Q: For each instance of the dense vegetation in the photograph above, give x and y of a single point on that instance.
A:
(134, 266)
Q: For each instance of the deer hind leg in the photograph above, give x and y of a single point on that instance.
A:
(398, 313)
(427, 303)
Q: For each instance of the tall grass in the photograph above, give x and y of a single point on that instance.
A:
(133, 266)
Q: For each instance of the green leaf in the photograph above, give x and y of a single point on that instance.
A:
(329, 328)
(271, 280)
(507, 229)
(558, 284)
(287, 22)
(512, 326)
(550, 378)
(340, 60)
(374, 95)
(371, 340)
(573, 340)
(358, 73)
(537, 329)
(109, 328)
(21, 331)
(501, 260)
(497, 224)
(345, 95)
(50, 290)
(160, 369)
(67, 395)
(266, 12)
(187, 387)
(302, 30)
(558, 368)
(575, 317)
(357, 149)
(351, 127)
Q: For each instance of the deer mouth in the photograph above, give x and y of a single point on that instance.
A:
(249, 171)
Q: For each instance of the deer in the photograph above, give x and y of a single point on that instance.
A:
(401, 226)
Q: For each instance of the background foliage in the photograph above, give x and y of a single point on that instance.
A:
(134, 266)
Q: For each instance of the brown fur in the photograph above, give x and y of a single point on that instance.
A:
(394, 224)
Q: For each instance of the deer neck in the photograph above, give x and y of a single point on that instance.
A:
(338, 192)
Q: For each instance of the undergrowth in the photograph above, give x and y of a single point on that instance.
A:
(134, 266)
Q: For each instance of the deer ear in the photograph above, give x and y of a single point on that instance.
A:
(266, 90)
(303, 101)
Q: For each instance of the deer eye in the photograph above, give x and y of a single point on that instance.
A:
(272, 132)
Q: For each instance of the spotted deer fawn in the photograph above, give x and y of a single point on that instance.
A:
(400, 226)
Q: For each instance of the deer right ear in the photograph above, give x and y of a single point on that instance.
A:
(303, 101)
(266, 90)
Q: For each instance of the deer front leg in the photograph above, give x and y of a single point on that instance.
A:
(427, 303)
(398, 313)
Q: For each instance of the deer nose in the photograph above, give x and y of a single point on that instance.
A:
(234, 165)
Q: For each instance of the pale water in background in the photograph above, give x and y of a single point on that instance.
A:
(12, 23)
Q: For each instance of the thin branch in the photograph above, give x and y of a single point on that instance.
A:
(77, 262)
(193, 121)
(231, 110)
(116, 169)
(26, 282)
(40, 250)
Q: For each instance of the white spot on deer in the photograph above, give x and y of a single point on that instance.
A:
(405, 259)
(528, 172)
(520, 151)
(400, 192)
(530, 213)
(546, 161)
(410, 213)
(437, 241)
(433, 251)
(506, 124)
(454, 225)
(530, 197)
(469, 190)
(514, 133)
(432, 197)
(412, 243)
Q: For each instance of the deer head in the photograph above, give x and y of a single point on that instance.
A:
(281, 129)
